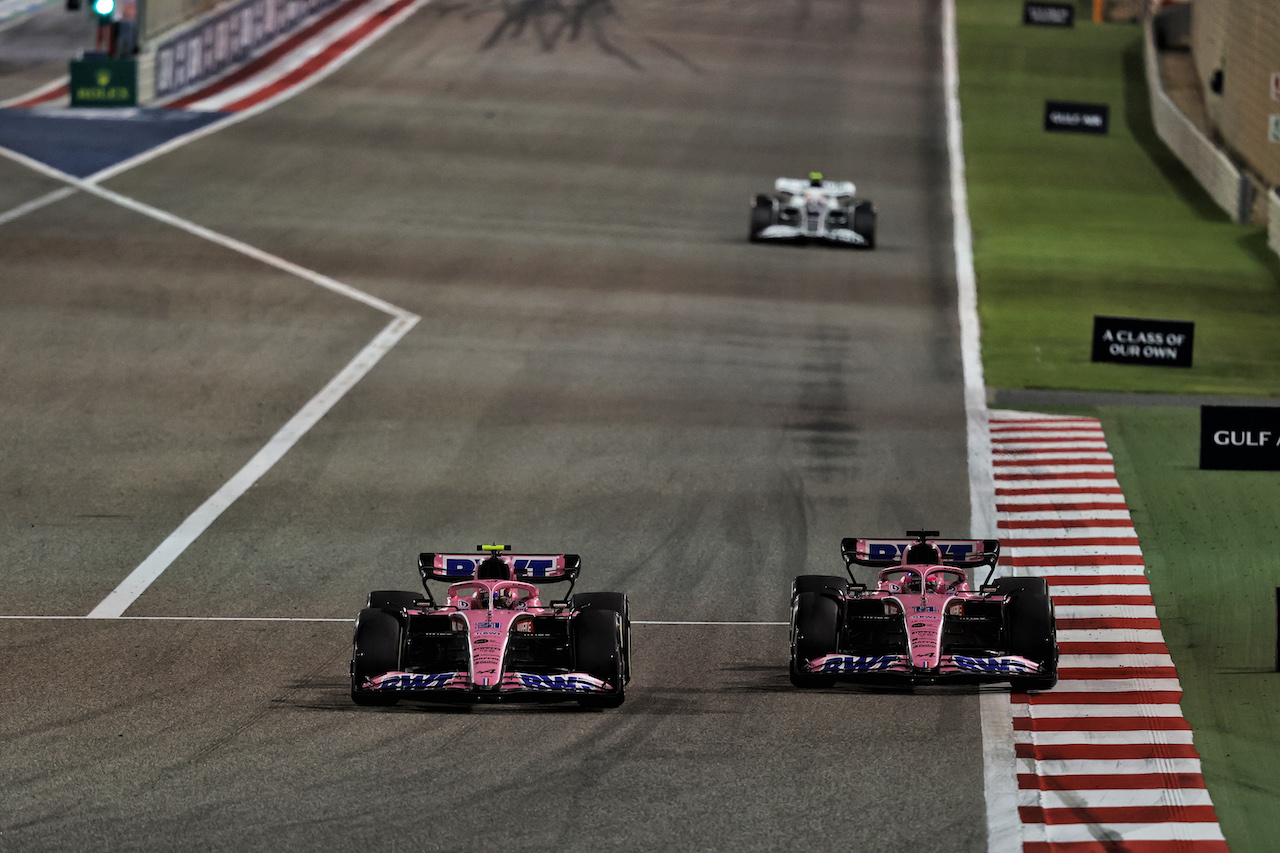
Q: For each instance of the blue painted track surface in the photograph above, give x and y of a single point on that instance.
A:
(83, 142)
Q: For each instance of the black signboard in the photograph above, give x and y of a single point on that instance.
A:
(97, 81)
(1071, 117)
(1048, 14)
(1240, 438)
(1129, 340)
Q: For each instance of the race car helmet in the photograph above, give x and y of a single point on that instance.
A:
(815, 179)
(909, 582)
(922, 554)
(493, 569)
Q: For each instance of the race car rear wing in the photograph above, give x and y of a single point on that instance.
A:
(531, 568)
(795, 186)
(887, 553)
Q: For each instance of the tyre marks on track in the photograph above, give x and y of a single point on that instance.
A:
(1105, 761)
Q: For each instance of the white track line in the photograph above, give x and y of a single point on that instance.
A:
(281, 443)
(999, 774)
(36, 204)
(329, 619)
(119, 600)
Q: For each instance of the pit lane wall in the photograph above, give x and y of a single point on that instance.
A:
(1212, 168)
(217, 41)
(1273, 220)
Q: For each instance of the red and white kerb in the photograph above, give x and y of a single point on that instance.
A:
(1105, 760)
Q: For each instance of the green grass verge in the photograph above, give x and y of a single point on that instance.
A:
(1067, 226)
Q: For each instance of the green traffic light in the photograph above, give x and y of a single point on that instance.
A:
(104, 8)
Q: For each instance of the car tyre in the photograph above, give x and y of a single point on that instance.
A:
(597, 649)
(819, 583)
(815, 631)
(761, 217)
(1033, 635)
(864, 222)
(375, 649)
(617, 602)
(392, 599)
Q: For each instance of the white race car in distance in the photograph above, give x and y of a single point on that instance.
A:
(818, 210)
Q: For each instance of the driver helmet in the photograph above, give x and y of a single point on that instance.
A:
(505, 598)
(482, 599)
(815, 179)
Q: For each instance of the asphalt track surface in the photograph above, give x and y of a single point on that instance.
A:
(604, 365)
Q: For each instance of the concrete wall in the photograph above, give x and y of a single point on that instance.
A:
(1211, 167)
(1241, 39)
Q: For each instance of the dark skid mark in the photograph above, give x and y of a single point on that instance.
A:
(551, 23)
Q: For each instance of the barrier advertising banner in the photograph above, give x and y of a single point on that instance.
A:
(1072, 117)
(1048, 14)
(97, 81)
(1130, 340)
(1240, 438)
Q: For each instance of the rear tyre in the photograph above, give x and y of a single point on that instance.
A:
(761, 217)
(392, 599)
(617, 602)
(597, 649)
(1008, 586)
(815, 631)
(864, 222)
(1033, 635)
(375, 650)
(819, 583)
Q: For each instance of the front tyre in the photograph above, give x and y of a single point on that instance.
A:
(761, 217)
(815, 632)
(392, 599)
(597, 649)
(1033, 635)
(617, 602)
(375, 650)
(864, 222)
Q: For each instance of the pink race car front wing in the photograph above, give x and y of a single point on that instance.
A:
(951, 666)
(513, 683)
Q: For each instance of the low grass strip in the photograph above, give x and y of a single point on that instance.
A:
(1067, 226)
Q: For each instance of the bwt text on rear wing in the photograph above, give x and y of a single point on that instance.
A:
(534, 568)
(886, 553)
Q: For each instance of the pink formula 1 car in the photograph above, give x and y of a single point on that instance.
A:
(492, 638)
(922, 623)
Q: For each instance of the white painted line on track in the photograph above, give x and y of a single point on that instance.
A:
(36, 204)
(732, 624)
(999, 775)
(330, 619)
(119, 600)
(178, 619)
(281, 443)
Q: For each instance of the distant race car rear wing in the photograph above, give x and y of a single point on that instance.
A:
(799, 185)
(887, 553)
